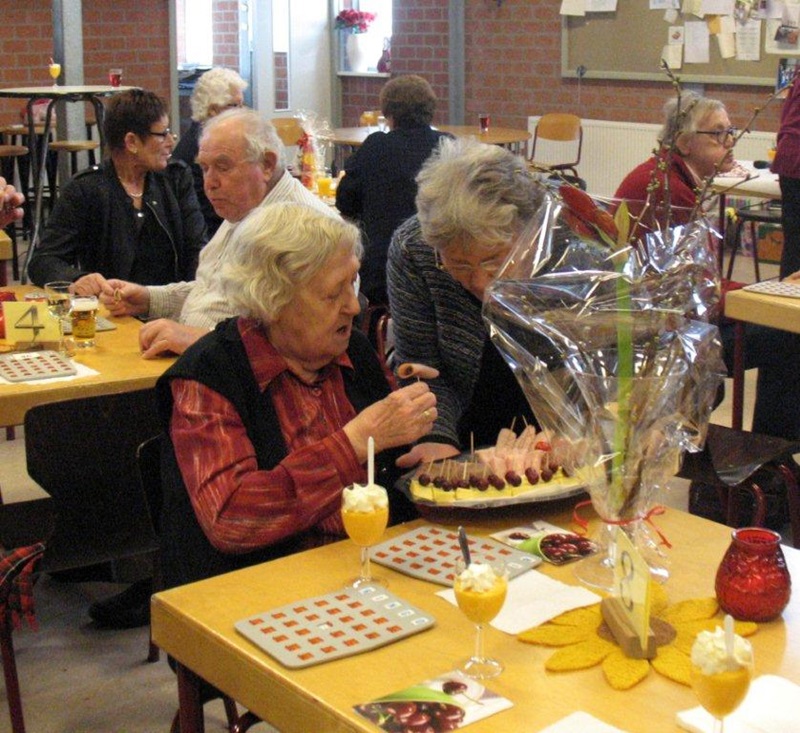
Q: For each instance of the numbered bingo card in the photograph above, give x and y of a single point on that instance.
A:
(340, 624)
(430, 553)
(27, 365)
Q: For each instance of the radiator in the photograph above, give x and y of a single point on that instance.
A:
(612, 149)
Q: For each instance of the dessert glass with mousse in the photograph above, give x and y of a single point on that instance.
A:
(365, 514)
(480, 590)
(721, 672)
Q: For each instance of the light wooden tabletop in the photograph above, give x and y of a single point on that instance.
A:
(195, 624)
(764, 310)
(116, 357)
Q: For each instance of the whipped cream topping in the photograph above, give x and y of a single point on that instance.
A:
(710, 655)
(479, 577)
(368, 498)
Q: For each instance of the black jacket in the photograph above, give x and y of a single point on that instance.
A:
(379, 190)
(91, 228)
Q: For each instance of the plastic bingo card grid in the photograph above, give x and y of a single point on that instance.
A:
(340, 624)
(26, 365)
(430, 553)
(775, 287)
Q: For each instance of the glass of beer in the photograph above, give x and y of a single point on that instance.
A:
(84, 320)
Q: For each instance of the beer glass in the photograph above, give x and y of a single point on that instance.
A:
(84, 320)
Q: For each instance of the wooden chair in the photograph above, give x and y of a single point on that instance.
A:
(148, 465)
(763, 212)
(556, 130)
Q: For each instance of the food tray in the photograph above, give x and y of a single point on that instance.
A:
(430, 553)
(27, 365)
(340, 624)
(545, 491)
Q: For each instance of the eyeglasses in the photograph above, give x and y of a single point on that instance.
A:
(721, 136)
(164, 135)
(464, 270)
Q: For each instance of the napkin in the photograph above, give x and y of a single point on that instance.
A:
(581, 723)
(770, 707)
(532, 599)
(82, 371)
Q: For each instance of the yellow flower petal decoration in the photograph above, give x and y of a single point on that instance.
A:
(582, 655)
(584, 640)
(623, 672)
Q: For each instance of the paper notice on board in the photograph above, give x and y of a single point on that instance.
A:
(573, 7)
(665, 4)
(726, 39)
(716, 7)
(675, 35)
(601, 6)
(692, 7)
(748, 41)
(696, 43)
(673, 55)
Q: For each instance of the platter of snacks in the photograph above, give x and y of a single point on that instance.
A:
(519, 469)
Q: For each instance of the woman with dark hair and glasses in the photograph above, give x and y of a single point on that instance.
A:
(474, 201)
(695, 143)
(134, 217)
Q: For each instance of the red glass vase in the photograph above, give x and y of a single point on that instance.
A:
(753, 583)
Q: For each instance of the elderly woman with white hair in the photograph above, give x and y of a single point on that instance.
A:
(473, 202)
(269, 415)
(217, 90)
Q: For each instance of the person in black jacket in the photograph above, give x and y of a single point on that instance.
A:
(378, 189)
(217, 90)
(135, 217)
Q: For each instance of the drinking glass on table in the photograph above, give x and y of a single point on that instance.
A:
(480, 590)
(59, 303)
(84, 320)
(55, 71)
(722, 667)
(365, 514)
(115, 77)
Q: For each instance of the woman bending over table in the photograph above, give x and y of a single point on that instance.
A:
(268, 416)
(135, 217)
(473, 201)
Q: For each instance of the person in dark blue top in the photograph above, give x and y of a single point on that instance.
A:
(379, 188)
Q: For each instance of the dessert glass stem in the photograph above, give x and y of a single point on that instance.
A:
(480, 655)
(366, 573)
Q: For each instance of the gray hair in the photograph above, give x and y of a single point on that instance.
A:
(683, 115)
(277, 249)
(259, 135)
(474, 193)
(216, 88)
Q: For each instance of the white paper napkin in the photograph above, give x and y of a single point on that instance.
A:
(771, 706)
(581, 723)
(532, 599)
(82, 371)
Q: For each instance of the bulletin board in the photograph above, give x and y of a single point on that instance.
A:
(628, 43)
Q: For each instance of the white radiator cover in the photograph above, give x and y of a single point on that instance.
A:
(612, 149)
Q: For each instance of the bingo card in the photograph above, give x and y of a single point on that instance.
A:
(26, 365)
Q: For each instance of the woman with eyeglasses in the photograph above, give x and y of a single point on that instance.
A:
(216, 91)
(695, 143)
(134, 217)
(473, 200)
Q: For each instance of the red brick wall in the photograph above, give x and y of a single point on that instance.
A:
(226, 33)
(513, 69)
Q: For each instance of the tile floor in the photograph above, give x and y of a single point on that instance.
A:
(76, 678)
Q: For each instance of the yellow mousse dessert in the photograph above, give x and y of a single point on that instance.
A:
(480, 592)
(365, 513)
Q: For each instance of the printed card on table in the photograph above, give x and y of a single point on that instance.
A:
(449, 702)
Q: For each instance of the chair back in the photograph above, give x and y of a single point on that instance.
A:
(83, 453)
(557, 142)
(289, 129)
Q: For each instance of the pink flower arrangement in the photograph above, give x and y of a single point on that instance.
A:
(354, 21)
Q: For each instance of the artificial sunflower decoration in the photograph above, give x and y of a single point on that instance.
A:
(585, 640)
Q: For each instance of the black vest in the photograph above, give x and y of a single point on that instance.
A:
(220, 362)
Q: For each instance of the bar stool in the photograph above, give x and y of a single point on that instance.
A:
(73, 147)
(12, 170)
(761, 213)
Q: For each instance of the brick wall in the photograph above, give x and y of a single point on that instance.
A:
(513, 69)
(226, 33)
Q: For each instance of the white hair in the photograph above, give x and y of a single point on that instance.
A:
(218, 87)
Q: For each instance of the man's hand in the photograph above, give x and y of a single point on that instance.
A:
(124, 299)
(425, 453)
(92, 284)
(11, 202)
(163, 336)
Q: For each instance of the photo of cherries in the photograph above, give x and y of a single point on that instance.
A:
(558, 547)
(413, 717)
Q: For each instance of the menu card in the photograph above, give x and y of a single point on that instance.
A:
(450, 702)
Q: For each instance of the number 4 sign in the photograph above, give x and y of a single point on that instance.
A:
(29, 322)
(627, 612)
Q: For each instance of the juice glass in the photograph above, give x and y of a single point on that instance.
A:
(480, 593)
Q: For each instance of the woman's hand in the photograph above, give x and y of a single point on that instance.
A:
(401, 418)
(425, 453)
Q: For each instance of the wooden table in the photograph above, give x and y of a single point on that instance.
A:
(763, 310)
(116, 357)
(347, 139)
(53, 93)
(195, 624)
